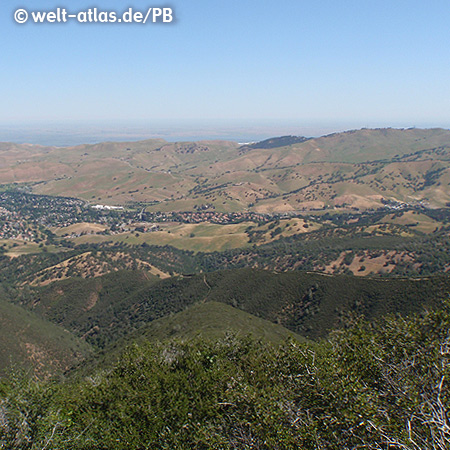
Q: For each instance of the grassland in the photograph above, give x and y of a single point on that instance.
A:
(79, 228)
(196, 237)
(386, 242)
(206, 237)
(355, 169)
(17, 247)
(415, 220)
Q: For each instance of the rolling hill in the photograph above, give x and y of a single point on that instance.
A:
(28, 341)
(355, 169)
(208, 322)
(105, 309)
(138, 312)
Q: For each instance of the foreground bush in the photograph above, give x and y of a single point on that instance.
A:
(372, 386)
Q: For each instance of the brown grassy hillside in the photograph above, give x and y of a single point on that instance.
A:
(355, 169)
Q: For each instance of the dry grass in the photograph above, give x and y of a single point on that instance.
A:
(366, 263)
(84, 227)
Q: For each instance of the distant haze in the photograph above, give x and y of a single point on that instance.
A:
(75, 133)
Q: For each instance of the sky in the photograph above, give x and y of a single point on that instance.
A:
(289, 63)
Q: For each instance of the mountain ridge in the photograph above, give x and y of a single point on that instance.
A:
(353, 169)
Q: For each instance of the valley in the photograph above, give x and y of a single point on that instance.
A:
(185, 263)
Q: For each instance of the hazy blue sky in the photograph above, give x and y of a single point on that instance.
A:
(318, 62)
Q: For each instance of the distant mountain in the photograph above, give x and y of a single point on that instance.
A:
(357, 169)
(276, 142)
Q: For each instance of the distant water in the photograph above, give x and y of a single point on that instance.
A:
(68, 135)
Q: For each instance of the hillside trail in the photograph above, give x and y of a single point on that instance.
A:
(209, 288)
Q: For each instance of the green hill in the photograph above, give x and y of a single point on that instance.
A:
(208, 322)
(309, 304)
(29, 341)
(372, 385)
(212, 320)
(94, 309)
